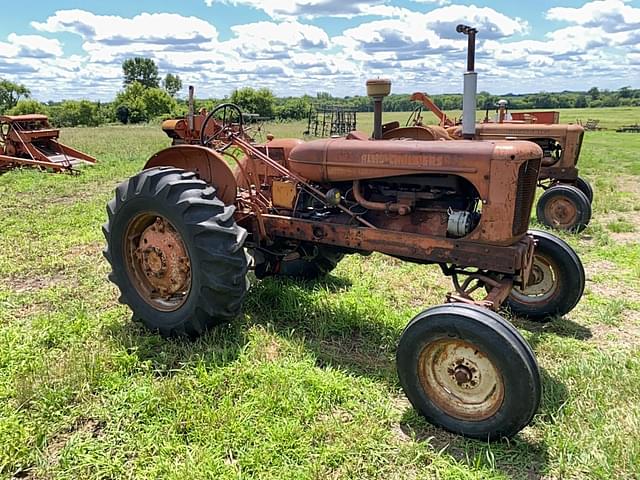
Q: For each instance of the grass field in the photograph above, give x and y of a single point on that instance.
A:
(303, 385)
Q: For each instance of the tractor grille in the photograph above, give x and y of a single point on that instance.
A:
(527, 181)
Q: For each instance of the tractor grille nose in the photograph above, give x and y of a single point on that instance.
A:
(527, 181)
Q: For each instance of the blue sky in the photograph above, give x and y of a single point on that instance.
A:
(74, 49)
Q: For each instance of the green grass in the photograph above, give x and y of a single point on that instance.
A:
(304, 384)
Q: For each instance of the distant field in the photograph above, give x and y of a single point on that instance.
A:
(610, 118)
(303, 385)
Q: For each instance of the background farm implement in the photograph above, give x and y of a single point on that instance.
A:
(29, 141)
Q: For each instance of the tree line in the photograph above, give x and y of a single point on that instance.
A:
(146, 97)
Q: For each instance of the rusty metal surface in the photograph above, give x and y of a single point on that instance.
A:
(157, 262)
(547, 117)
(338, 159)
(430, 105)
(29, 140)
(542, 282)
(423, 133)
(207, 163)
(505, 259)
(562, 212)
(460, 379)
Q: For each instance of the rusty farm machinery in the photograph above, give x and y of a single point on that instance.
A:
(29, 141)
(182, 234)
(567, 198)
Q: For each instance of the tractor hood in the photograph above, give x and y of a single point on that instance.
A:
(340, 159)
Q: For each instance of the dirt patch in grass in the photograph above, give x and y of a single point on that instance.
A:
(629, 183)
(608, 287)
(625, 336)
(87, 427)
(355, 353)
(623, 227)
(93, 249)
(32, 284)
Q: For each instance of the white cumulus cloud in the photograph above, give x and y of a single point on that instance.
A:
(609, 15)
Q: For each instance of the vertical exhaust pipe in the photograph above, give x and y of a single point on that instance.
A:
(190, 122)
(470, 84)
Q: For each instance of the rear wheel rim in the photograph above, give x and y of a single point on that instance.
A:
(460, 379)
(158, 263)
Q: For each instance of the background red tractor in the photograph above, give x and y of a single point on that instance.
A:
(567, 198)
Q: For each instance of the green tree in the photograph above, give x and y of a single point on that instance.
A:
(129, 104)
(294, 109)
(137, 104)
(581, 101)
(10, 93)
(172, 84)
(27, 106)
(141, 70)
(71, 113)
(249, 100)
(157, 102)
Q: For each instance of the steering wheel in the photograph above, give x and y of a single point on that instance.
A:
(223, 130)
(415, 117)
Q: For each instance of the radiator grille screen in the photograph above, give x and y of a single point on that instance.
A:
(527, 181)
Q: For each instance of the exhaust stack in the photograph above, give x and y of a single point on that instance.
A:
(470, 84)
(190, 122)
(377, 89)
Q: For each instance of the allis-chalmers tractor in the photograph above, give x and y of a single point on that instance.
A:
(183, 233)
(567, 198)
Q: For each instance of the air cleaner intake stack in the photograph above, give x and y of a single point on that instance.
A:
(470, 84)
(377, 89)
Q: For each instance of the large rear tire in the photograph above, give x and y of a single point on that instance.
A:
(175, 251)
(466, 369)
(317, 263)
(308, 262)
(556, 283)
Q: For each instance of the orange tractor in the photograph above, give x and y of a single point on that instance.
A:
(567, 198)
(182, 234)
(29, 140)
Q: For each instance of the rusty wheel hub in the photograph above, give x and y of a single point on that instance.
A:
(460, 379)
(542, 283)
(562, 212)
(159, 262)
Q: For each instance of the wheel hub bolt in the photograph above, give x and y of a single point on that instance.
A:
(462, 374)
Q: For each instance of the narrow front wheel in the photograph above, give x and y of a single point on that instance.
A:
(556, 282)
(564, 207)
(466, 369)
(585, 187)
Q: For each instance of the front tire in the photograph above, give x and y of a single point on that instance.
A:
(564, 207)
(585, 187)
(175, 251)
(466, 369)
(556, 282)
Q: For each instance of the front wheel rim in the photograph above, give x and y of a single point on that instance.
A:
(542, 285)
(158, 263)
(562, 212)
(460, 379)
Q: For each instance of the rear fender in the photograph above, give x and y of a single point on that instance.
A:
(208, 164)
